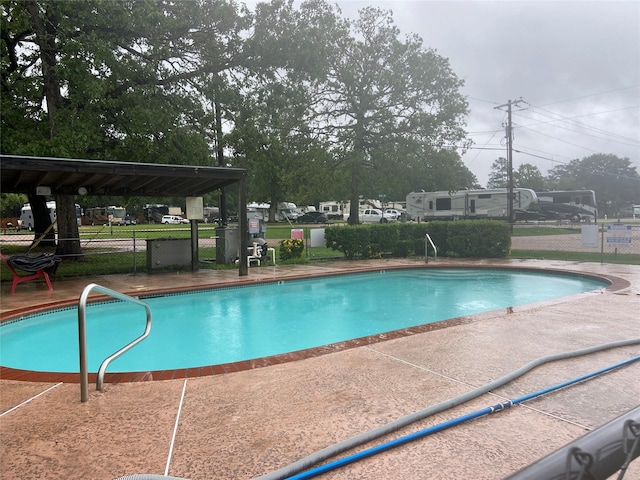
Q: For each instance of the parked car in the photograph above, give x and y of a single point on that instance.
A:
(313, 217)
(175, 219)
(392, 214)
(130, 220)
(374, 215)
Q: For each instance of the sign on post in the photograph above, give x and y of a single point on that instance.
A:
(619, 235)
(195, 208)
(590, 235)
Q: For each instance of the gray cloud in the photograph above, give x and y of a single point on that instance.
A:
(577, 63)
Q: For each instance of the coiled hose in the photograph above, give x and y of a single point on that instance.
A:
(500, 407)
(353, 442)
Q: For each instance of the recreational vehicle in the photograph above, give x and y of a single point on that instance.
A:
(103, 215)
(285, 211)
(211, 214)
(491, 204)
(334, 210)
(341, 210)
(574, 205)
(154, 213)
(26, 216)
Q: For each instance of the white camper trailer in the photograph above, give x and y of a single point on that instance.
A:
(285, 211)
(26, 215)
(487, 204)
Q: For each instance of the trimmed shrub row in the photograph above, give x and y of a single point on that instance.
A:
(463, 239)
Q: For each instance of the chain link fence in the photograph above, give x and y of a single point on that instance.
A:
(607, 239)
(137, 249)
(127, 249)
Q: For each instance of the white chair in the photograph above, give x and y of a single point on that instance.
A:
(273, 253)
(255, 255)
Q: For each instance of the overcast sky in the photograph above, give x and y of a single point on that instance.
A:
(576, 64)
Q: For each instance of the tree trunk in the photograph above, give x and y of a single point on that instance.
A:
(220, 156)
(41, 222)
(44, 21)
(354, 207)
(68, 235)
(272, 211)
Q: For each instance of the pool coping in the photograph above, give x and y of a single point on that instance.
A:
(616, 284)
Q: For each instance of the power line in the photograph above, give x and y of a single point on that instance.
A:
(484, 147)
(586, 127)
(481, 100)
(591, 95)
(565, 141)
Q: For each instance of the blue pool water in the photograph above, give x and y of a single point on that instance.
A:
(241, 323)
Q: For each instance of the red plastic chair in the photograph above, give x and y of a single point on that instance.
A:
(17, 278)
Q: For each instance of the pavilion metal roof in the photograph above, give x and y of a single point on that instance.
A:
(65, 176)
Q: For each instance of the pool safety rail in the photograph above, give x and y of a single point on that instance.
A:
(82, 336)
(427, 241)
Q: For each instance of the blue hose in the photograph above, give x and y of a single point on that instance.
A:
(395, 425)
(451, 423)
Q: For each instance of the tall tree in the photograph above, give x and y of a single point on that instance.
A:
(615, 180)
(112, 79)
(529, 176)
(272, 137)
(386, 101)
(499, 175)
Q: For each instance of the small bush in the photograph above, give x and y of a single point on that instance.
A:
(291, 249)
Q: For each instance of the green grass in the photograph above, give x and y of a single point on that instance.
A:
(102, 260)
(617, 258)
(543, 231)
(142, 231)
(93, 264)
(321, 253)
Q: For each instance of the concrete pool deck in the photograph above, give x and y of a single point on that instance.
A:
(247, 423)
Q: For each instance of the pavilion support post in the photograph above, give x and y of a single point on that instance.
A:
(243, 227)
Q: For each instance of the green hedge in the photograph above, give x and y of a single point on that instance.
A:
(463, 238)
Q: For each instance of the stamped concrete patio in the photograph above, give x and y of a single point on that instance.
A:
(243, 424)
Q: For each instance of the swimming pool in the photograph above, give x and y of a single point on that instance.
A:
(234, 324)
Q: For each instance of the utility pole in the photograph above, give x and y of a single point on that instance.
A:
(509, 134)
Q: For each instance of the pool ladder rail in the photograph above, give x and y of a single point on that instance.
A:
(427, 241)
(82, 334)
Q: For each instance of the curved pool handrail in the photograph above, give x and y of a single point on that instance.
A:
(82, 335)
(426, 250)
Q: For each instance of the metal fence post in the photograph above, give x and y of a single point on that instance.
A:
(135, 255)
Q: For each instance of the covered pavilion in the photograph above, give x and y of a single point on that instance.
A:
(66, 176)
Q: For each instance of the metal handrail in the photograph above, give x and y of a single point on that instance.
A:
(82, 334)
(435, 250)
